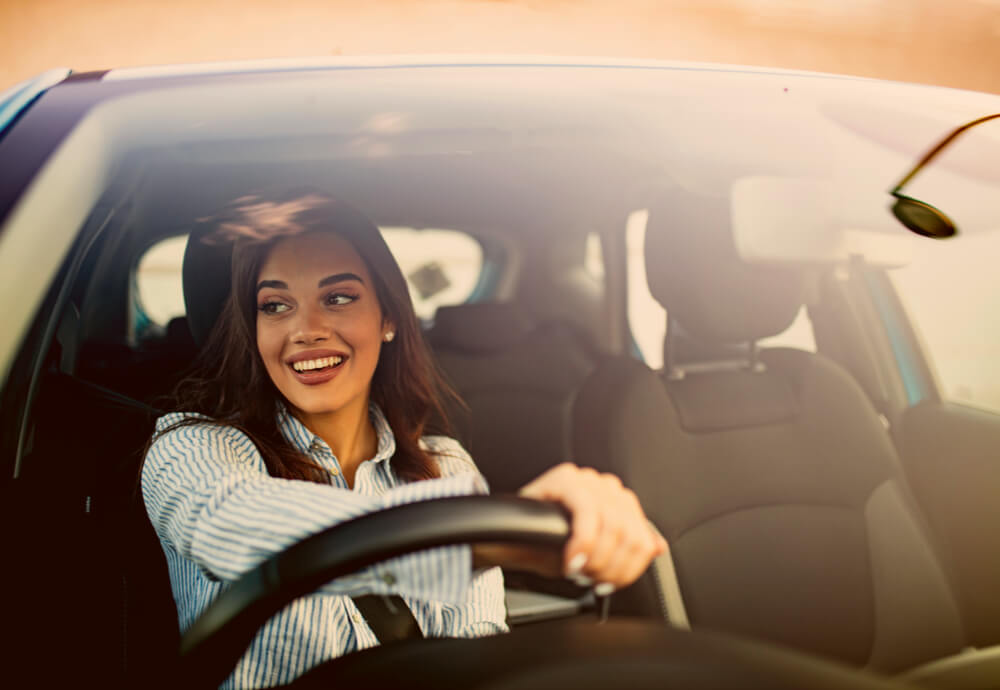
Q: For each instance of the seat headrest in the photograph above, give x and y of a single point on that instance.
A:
(479, 328)
(206, 277)
(695, 273)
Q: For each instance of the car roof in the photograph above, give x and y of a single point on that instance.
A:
(429, 60)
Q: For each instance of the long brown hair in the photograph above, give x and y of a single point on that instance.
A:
(230, 384)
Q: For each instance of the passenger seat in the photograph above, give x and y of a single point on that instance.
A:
(777, 485)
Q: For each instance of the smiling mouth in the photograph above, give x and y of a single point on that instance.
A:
(313, 365)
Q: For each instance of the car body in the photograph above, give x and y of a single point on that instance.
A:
(524, 181)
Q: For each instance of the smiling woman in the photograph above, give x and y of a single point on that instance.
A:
(310, 406)
(284, 240)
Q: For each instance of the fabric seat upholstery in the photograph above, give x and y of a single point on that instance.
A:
(519, 381)
(778, 486)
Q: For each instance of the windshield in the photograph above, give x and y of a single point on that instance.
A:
(508, 150)
(725, 233)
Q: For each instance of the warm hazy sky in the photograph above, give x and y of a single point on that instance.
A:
(949, 42)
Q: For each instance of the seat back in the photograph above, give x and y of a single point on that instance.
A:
(778, 486)
(540, 394)
(519, 381)
(91, 553)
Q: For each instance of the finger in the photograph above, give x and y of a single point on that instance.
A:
(585, 527)
(614, 525)
(568, 484)
(547, 486)
(635, 547)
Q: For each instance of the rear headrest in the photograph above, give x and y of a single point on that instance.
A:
(695, 273)
(479, 328)
(206, 277)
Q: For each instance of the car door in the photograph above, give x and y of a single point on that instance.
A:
(923, 340)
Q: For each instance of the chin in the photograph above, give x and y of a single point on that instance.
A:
(318, 404)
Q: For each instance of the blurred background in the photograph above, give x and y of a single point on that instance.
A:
(951, 43)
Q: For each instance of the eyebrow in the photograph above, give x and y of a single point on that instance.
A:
(339, 278)
(276, 284)
(329, 280)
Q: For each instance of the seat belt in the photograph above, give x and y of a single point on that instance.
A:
(388, 617)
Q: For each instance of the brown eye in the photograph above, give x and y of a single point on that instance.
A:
(273, 307)
(339, 299)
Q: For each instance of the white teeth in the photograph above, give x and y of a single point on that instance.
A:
(322, 363)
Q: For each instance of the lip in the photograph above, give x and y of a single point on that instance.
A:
(314, 378)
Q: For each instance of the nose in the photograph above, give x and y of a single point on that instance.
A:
(311, 326)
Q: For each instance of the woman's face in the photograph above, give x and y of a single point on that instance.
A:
(319, 323)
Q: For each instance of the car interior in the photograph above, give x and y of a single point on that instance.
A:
(807, 501)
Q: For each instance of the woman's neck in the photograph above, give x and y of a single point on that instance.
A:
(348, 432)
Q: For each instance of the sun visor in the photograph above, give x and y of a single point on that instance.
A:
(803, 220)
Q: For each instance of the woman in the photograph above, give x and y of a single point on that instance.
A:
(310, 409)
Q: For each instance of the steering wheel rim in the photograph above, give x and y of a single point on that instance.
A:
(213, 644)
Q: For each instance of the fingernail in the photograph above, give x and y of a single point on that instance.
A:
(604, 589)
(576, 564)
(581, 581)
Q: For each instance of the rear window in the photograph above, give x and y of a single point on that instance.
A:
(442, 267)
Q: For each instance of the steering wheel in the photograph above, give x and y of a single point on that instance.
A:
(214, 643)
(581, 655)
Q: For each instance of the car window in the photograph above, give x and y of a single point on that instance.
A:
(441, 267)
(951, 294)
(648, 320)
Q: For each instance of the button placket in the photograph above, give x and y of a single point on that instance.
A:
(324, 457)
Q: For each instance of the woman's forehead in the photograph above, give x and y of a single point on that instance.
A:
(311, 254)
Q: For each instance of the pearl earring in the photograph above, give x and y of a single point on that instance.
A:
(389, 335)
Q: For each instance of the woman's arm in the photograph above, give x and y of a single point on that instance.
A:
(484, 611)
(209, 497)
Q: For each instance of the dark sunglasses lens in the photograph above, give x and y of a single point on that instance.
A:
(923, 219)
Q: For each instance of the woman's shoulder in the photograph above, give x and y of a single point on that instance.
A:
(450, 455)
(190, 430)
(173, 420)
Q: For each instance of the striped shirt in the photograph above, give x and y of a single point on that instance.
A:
(219, 514)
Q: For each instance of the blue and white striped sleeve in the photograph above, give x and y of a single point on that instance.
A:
(210, 498)
(484, 610)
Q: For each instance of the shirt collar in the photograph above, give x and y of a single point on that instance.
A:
(305, 441)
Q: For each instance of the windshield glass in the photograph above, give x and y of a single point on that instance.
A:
(803, 163)
(950, 287)
(725, 234)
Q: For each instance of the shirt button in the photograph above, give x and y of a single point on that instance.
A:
(334, 471)
(356, 618)
(389, 579)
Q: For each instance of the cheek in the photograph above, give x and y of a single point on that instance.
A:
(268, 346)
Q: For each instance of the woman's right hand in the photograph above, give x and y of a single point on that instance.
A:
(611, 543)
